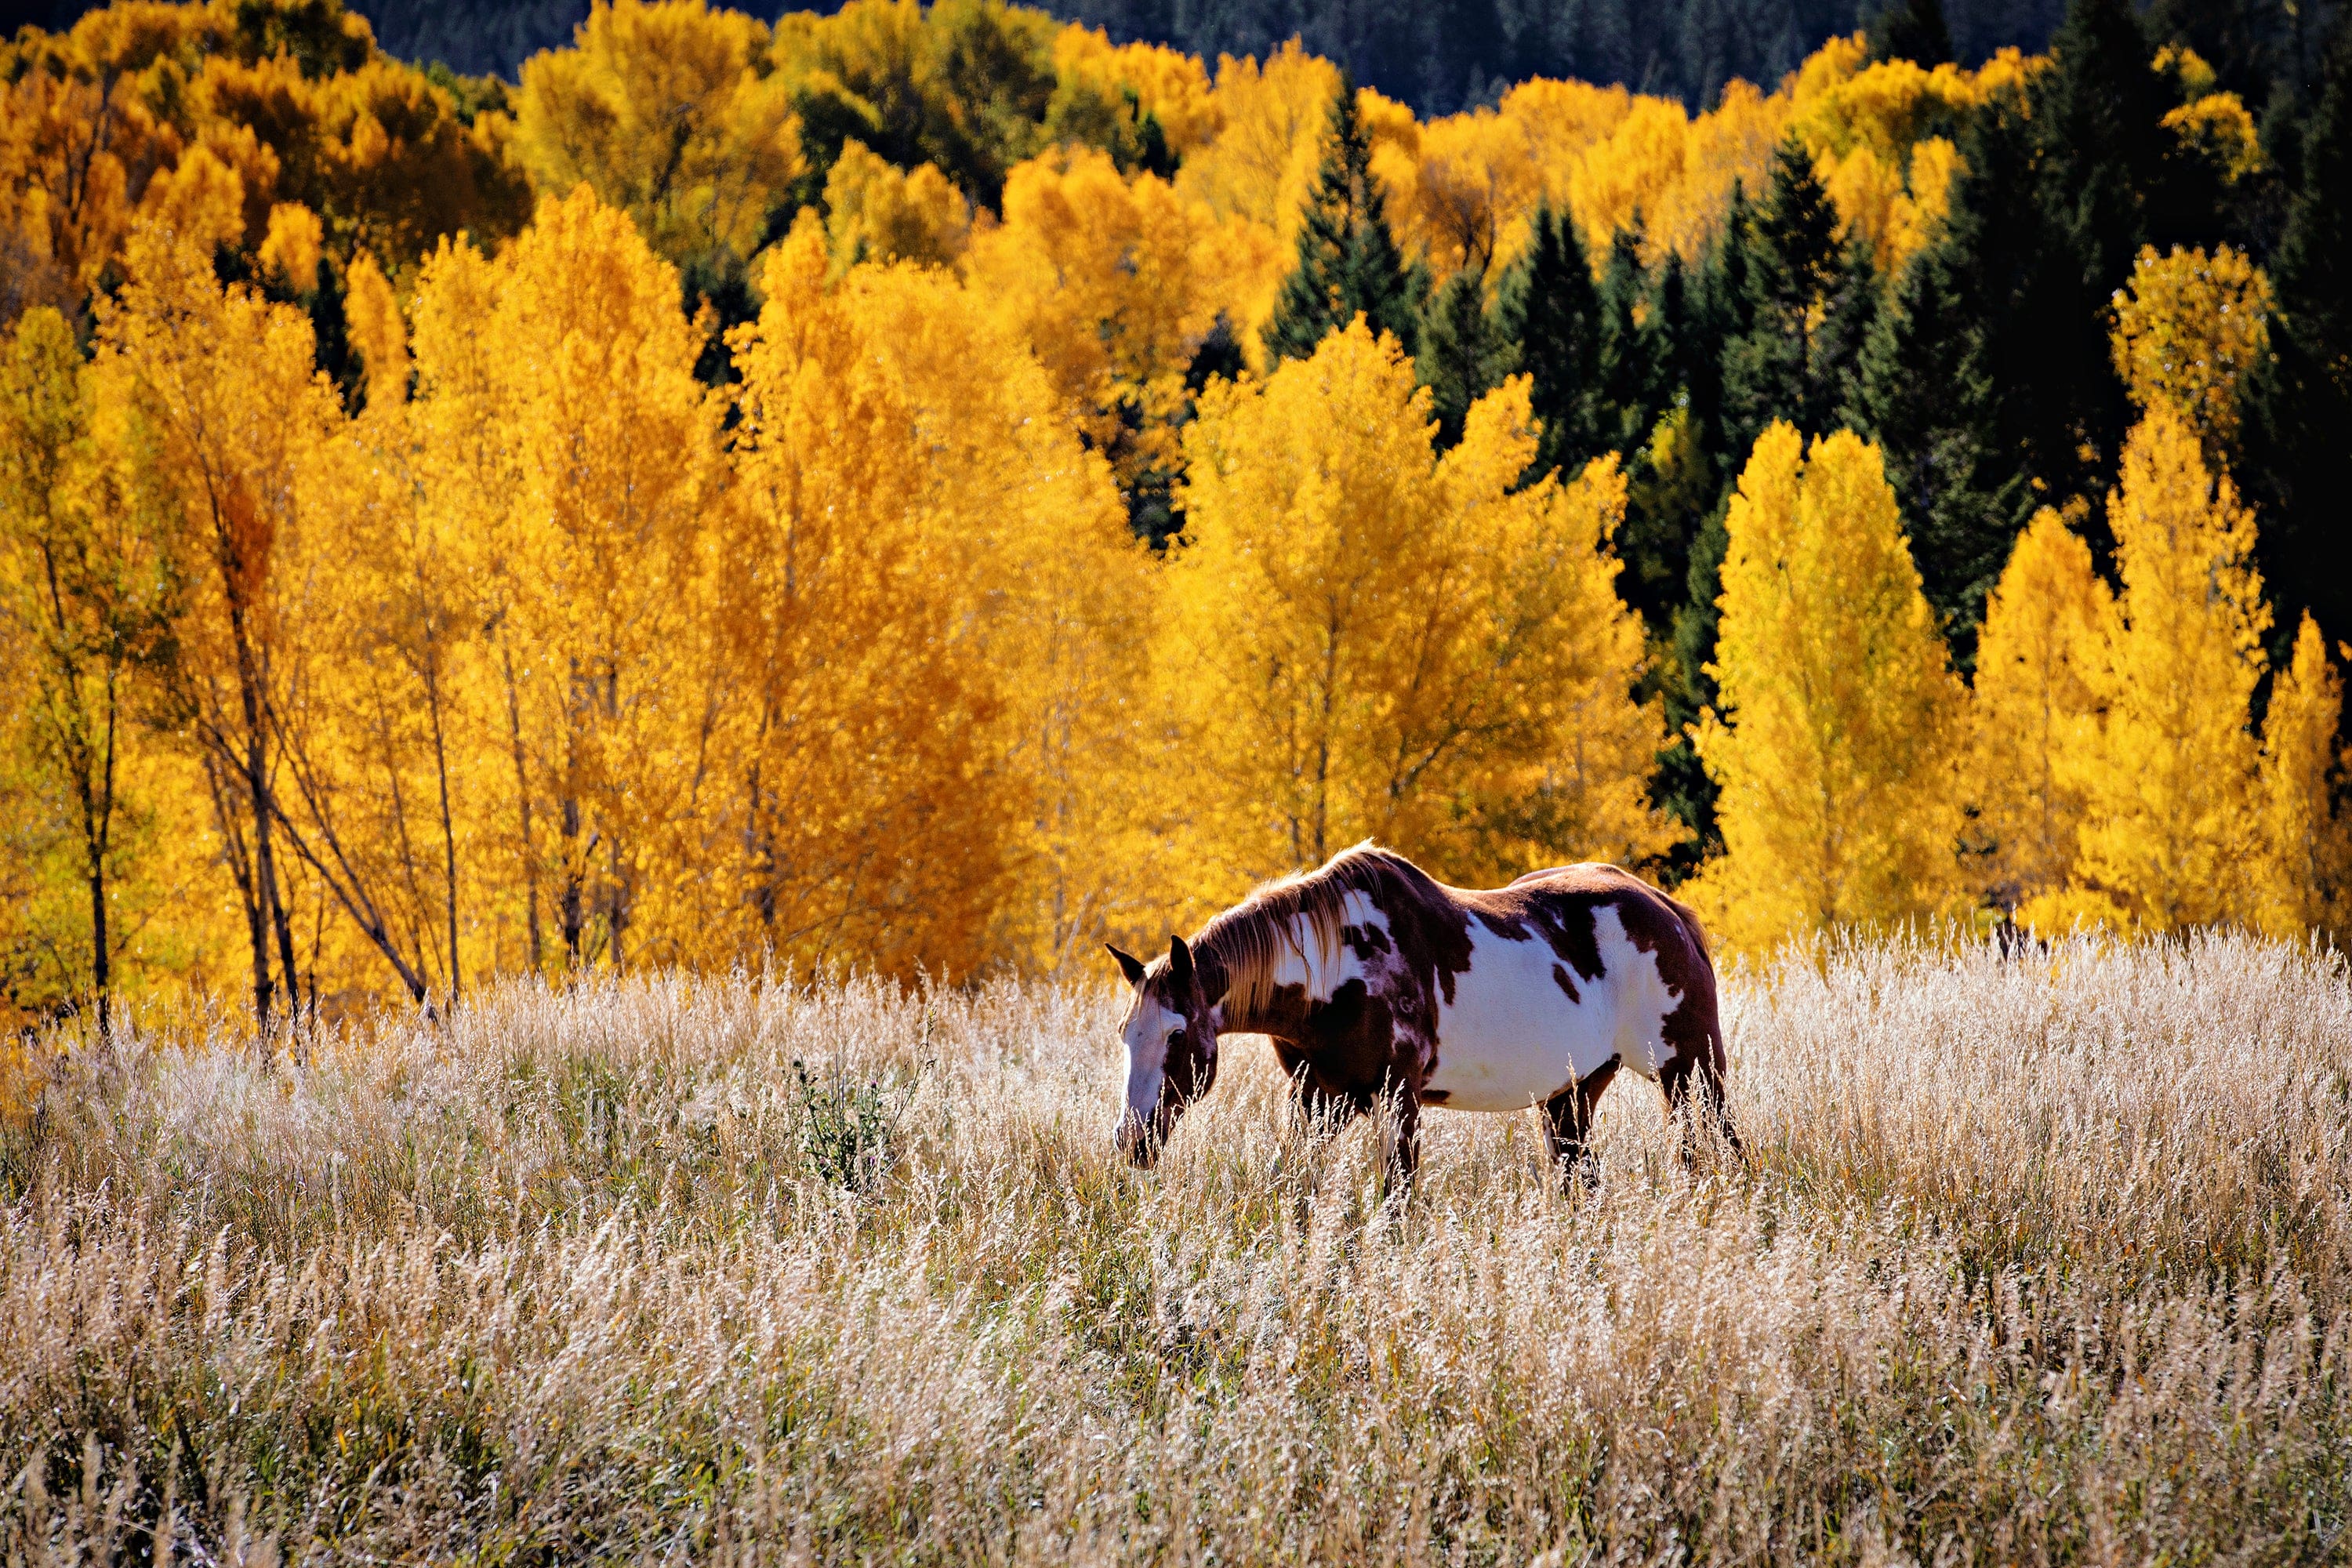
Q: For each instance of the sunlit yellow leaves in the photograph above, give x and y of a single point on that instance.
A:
(927, 658)
(1838, 765)
(875, 210)
(2308, 836)
(2041, 685)
(2218, 129)
(2171, 834)
(291, 249)
(2189, 329)
(1365, 639)
(1173, 87)
(606, 463)
(671, 111)
(1113, 283)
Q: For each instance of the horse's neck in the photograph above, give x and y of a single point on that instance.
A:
(1251, 1004)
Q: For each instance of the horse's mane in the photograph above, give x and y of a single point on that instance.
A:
(1247, 941)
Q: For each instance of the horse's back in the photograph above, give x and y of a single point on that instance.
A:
(1570, 968)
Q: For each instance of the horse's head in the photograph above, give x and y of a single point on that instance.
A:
(1172, 1047)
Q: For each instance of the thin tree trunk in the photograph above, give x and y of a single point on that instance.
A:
(522, 796)
(448, 830)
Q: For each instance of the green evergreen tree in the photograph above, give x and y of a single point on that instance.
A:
(2299, 425)
(1348, 261)
(1911, 30)
(1781, 366)
(1672, 475)
(2106, 178)
(1465, 351)
(1922, 391)
(1634, 355)
(1551, 313)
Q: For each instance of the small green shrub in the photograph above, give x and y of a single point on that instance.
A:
(849, 1128)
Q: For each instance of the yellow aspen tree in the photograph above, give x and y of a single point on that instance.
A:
(1363, 638)
(1840, 726)
(869, 827)
(600, 559)
(87, 586)
(672, 111)
(875, 210)
(1052, 578)
(2037, 709)
(223, 382)
(2189, 327)
(2171, 835)
(1102, 275)
(2308, 838)
(369, 737)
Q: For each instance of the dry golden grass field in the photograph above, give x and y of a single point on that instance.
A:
(2037, 1259)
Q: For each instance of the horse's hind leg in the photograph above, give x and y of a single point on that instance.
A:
(1568, 1121)
(1702, 1076)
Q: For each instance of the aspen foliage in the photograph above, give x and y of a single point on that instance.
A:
(606, 458)
(98, 120)
(2041, 682)
(1114, 283)
(2309, 838)
(2172, 828)
(671, 111)
(1839, 761)
(926, 657)
(87, 596)
(875, 210)
(233, 418)
(1364, 638)
(1173, 87)
(1253, 176)
(2189, 329)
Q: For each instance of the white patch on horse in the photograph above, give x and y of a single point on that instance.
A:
(1510, 1038)
(1643, 1000)
(1146, 1035)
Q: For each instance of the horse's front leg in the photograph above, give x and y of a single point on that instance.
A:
(1404, 1152)
(1568, 1123)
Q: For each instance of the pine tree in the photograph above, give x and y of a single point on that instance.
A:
(1841, 725)
(1912, 30)
(2107, 178)
(1781, 367)
(1348, 261)
(2171, 834)
(1633, 352)
(2299, 459)
(1465, 351)
(1922, 389)
(2038, 685)
(1551, 313)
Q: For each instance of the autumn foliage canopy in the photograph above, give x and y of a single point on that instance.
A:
(895, 490)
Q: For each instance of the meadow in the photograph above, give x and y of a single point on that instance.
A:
(2037, 1258)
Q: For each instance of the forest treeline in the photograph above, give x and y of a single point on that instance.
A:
(936, 487)
(1439, 56)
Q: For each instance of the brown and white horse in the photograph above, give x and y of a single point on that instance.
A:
(1376, 981)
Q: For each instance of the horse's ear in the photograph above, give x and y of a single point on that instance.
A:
(1128, 966)
(1180, 963)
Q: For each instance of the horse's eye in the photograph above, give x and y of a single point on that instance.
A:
(1176, 1039)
